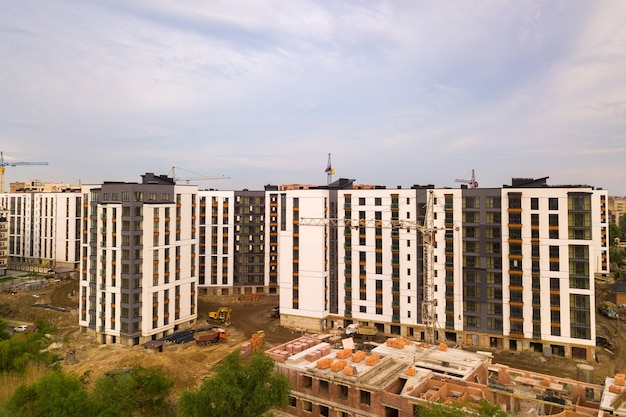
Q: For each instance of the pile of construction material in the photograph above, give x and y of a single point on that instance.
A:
(620, 380)
(255, 343)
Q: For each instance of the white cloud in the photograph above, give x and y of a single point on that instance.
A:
(399, 92)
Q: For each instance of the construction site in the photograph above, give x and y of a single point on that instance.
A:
(394, 378)
(254, 325)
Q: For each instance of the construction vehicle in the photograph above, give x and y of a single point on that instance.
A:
(608, 309)
(275, 312)
(360, 331)
(222, 315)
(207, 337)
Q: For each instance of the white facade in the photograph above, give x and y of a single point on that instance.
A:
(43, 230)
(217, 240)
(509, 274)
(140, 261)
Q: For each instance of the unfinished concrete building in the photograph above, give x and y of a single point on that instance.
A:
(395, 378)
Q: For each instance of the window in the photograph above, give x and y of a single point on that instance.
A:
(378, 201)
(307, 381)
(324, 411)
(554, 284)
(553, 203)
(323, 386)
(534, 203)
(307, 406)
(292, 401)
(515, 201)
(343, 392)
(361, 201)
(366, 397)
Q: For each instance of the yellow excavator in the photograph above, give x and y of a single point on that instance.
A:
(222, 315)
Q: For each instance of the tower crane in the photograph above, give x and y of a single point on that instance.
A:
(329, 171)
(471, 182)
(198, 177)
(427, 231)
(4, 164)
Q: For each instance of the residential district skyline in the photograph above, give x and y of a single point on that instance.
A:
(398, 92)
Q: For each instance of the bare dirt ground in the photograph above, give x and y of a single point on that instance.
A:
(188, 364)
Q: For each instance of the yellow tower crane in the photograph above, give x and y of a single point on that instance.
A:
(4, 164)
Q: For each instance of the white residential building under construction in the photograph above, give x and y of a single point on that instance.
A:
(510, 268)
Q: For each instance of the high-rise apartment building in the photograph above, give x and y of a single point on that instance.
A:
(617, 208)
(139, 267)
(4, 240)
(234, 257)
(510, 267)
(43, 230)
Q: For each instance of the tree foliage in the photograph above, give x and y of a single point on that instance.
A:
(622, 227)
(485, 409)
(19, 350)
(4, 335)
(140, 392)
(239, 388)
(149, 387)
(614, 232)
(54, 395)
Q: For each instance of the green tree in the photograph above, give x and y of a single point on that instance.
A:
(614, 232)
(622, 227)
(489, 409)
(150, 389)
(485, 409)
(239, 388)
(54, 395)
(19, 350)
(439, 410)
(4, 335)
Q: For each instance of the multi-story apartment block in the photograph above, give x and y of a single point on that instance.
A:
(139, 267)
(43, 230)
(617, 208)
(234, 258)
(4, 240)
(511, 267)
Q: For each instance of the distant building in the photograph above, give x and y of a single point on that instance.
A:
(37, 186)
(139, 269)
(44, 230)
(617, 208)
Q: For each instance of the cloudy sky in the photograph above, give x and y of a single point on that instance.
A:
(399, 92)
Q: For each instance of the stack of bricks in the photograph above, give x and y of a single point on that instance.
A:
(279, 355)
(324, 363)
(318, 353)
(618, 386)
(344, 353)
(338, 366)
(398, 342)
(372, 360)
(255, 342)
(358, 356)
